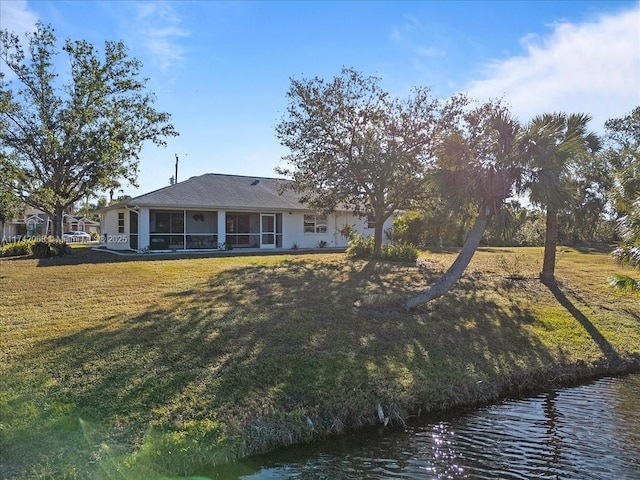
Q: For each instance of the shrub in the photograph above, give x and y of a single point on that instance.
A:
(408, 228)
(360, 247)
(347, 231)
(49, 248)
(531, 232)
(513, 266)
(399, 253)
(15, 249)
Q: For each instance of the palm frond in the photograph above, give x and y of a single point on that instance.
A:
(624, 282)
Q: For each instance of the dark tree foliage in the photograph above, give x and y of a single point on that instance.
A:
(583, 218)
(623, 153)
(353, 145)
(10, 207)
(623, 135)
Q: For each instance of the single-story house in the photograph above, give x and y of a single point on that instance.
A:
(215, 211)
(80, 223)
(35, 223)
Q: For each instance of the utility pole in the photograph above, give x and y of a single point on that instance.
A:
(175, 179)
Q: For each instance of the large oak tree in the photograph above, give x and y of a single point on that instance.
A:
(353, 145)
(64, 140)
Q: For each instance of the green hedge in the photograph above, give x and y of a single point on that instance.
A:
(17, 249)
(360, 247)
(49, 247)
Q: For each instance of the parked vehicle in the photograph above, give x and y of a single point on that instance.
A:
(76, 237)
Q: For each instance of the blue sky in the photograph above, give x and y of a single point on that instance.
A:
(222, 68)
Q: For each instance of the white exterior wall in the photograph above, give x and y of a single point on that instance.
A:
(143, 228)
(293, 230)
(222, 226)
(111, 238)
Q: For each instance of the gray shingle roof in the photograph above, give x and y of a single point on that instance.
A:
(227, 192)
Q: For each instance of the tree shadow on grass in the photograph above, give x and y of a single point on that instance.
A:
(632, 314)
(263, 356)
(613, 358)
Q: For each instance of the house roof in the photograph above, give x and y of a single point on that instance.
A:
(227, 192)
(81, 218)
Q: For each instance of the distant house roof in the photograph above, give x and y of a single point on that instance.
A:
(227, 192)
(80, 218)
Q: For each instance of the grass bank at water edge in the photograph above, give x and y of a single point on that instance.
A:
(140, 367)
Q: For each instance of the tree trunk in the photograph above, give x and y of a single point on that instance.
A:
(57, 221)
(547, 276)
(456, 269)
(377, 236)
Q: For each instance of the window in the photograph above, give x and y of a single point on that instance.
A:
(121, 222)
(167, 221)
(315, 223)
(32, 228)
(133, 230)
(166, 229)
(371, 222)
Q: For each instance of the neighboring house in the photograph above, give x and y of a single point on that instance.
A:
(36, 223)
(33, 223)
(80, 223)
(215, 211)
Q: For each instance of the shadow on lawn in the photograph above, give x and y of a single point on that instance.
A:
(607, 349)
(261, 349)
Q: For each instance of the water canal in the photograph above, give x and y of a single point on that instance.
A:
(585, 432)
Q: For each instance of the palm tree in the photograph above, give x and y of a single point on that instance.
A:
(480, 164)
(556, 144)
(623, 153)
(629, 228)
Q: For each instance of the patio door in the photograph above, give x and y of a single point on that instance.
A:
(267, 230)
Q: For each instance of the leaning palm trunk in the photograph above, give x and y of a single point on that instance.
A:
(456, 270)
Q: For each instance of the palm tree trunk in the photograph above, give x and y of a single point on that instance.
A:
(457, 268)
(547, 276)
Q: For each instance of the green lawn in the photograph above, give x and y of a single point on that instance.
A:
(138, 367)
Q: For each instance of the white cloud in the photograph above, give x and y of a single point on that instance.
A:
(591, 68)
(158, 25)
(429, 52)
(16, 17)
(418, 42)
(400, 33)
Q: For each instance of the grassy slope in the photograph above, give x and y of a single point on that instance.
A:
(114, 367)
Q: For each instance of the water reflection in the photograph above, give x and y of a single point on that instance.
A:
(581, 433)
